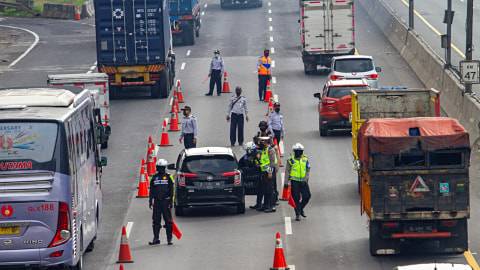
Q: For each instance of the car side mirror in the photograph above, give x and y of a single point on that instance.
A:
(298, 21)
(103, 162)
(378, 69)
(317, 95)
(171, 166)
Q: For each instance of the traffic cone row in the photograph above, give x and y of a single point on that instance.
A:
(268, 93)
(179, 92)
(165, 140)
(174, 122)
(226, 85)
(143, 186)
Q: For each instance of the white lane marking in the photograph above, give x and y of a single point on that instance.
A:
(292, 267)
(200, 20)
(88, 72)
(271, 38)
(274, 80)
(282, 147)
(270, 28)
(2, 19)
(206, 5)
(282, 177)
(129, 228)
(273, 63)
(188, 53)
(171, 102)
(272, 50)
(203, 13)
(35, 42)
(183, 66)
(92, 68)
(269, 11)
(269, 19)
(269, 4)
(288, 226)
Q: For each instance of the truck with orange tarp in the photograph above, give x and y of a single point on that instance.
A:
(414, 183)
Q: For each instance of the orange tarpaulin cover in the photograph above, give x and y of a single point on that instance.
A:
(392, 136)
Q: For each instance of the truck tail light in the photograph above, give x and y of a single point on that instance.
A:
(63, 232)
(237, 180)
(448, 223)
(183, 176)
(336, 77)
(372, 76)
(390, 225)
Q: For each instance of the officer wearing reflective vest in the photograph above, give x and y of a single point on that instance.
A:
(268, 163)
(297, 172)
(264, 73)
(161, 200)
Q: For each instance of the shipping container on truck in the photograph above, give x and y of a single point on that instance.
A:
(97, 84)
(134, 45)
(224, 4)
(414, 184)
(185, 21)
(327, 29)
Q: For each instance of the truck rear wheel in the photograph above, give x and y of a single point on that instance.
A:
(310, 68)
(161, 88)
(189, 35)
(378, 245)
(322, 128)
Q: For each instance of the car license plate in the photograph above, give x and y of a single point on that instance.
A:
(10, 230)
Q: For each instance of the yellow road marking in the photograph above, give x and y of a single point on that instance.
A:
(471, 260)
(429, 25)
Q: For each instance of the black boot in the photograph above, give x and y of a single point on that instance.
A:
(303, 214)
(297, 218)
(154, 242)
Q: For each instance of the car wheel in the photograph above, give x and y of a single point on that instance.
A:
(161, 88)
(323, 129)
(241, 208)
(179, 211)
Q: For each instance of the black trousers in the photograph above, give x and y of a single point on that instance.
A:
(277, 134)
(216, 79)
(262, 85)
(265, 191)
(188, 141)
(236, 126)
(160, 209)
(301, 195)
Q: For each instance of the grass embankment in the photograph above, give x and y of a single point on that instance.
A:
(37, 7)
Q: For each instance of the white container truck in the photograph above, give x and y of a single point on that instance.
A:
(327, 29)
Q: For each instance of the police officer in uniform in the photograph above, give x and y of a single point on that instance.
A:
(268, 163)
(297, 172)
(161, 200)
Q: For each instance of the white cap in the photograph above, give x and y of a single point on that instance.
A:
(297, 146)
(249, 146)
(162, 162)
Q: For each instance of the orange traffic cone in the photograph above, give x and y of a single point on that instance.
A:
(286, 193)
(150, 162)
(164, 141)
(268, 93)
(270, 107)
(226, 85)
(121, 267)
(124, 254)
(279, 262)
(174, 123)
(179, 92)
(291, 202)
(176, 231)
(105, 121)
(174, 104)
(143, 186)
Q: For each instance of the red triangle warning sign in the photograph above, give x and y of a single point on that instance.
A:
(419, 185)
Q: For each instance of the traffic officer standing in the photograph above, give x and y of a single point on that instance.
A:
(189, 128)
(161, 200)
(268, 163)
(275, 122)
(236, 111)
(264, 132)
(297, 172)
(264, 73)
(215, 74)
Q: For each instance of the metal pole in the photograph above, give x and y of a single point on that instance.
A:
(411, 14)
(448, 60)
(469, 38)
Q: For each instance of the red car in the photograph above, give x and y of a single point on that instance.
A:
(334, 106)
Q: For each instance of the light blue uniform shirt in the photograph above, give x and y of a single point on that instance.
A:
(189, 125)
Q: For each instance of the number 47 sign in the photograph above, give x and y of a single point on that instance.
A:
(470, 71)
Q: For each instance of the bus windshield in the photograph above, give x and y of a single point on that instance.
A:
(27, 141)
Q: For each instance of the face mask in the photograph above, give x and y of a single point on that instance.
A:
(160, 169)
(298, 154)
(266, 54)
(185, 113)
(217, 55)
(263, 128)
(277, 110)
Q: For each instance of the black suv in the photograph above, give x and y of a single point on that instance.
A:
(208, 176)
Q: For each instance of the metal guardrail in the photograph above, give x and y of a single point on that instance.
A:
(471, 260)
(18, 6)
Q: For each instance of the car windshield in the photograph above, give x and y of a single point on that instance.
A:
(30, 141)
(339, 92)
(210, 164)
(353, 65)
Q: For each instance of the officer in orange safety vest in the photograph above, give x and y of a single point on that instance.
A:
(264, 73)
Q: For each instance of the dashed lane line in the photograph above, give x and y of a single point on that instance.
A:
(188, 53)
(274, 80)
(269, 4)
(270, 28)
(203, 13)
(271, 38)
(269, 19)
(273, 63)
(35, 42)
(269, 11)
(272, 50)
(429, 25)
(129, 228)
(288, 226)
(183, 66)
(292, 267)
(206, 5)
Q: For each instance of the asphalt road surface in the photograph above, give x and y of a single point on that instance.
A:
(334, 236)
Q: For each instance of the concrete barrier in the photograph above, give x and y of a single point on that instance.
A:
(58, 11)
(428, 66)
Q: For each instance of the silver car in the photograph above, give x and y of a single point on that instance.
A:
(355, 67)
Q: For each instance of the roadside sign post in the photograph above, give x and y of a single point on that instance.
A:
(411, 15)
(469, 38)
(469, 73)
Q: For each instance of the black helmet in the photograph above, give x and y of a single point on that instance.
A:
(263, 124)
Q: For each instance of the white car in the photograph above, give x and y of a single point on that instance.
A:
(355, 67)
(434, 266)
